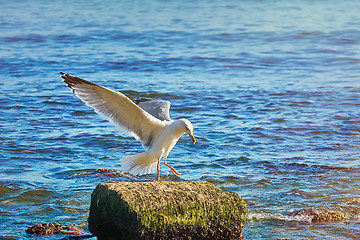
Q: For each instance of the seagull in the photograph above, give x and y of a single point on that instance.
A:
(146, 120)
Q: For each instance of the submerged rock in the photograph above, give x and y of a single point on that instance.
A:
(103, 172)
(52, 228)
(333, 213)
(165, 210)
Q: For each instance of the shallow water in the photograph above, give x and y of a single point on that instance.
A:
(272, 88)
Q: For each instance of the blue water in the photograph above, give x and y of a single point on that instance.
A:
(272, 88)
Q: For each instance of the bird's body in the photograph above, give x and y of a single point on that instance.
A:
(149, 122)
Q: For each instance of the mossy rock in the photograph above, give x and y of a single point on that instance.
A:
(165, 210)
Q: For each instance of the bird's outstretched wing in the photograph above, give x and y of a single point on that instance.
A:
(157, 108)
(117, 108)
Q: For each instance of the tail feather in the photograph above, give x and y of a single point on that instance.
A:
(139, 164)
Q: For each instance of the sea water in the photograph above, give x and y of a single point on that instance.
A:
(271, 87)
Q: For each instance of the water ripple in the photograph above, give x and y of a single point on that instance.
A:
(271, 88)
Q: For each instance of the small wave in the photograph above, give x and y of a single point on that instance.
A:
(72, 37)
(233, 161)
(256, 216)
(32, 196)
(301, 193)
(55, 103)
(28, 38)
(82, 113)
(335, 167)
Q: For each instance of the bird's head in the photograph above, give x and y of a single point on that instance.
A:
(188, 128)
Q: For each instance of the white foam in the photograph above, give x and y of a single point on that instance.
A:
(256, 216)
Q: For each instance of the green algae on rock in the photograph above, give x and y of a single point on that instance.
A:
(165, 210)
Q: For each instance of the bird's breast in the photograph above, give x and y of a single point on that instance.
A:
(165, 142)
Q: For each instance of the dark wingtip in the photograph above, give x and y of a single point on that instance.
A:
(63, 75)
(66, 80)
(71, 80)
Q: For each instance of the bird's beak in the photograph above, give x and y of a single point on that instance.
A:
(192, 138)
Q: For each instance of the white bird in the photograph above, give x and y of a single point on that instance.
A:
(149, 122)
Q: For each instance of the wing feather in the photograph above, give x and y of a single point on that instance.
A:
(157, 108)
(117, 108)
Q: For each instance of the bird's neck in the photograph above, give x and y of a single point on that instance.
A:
(177, 129)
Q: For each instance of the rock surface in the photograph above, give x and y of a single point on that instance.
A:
(165, 210)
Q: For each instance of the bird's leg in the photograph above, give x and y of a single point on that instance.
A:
(158, 171)
(171, 168)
